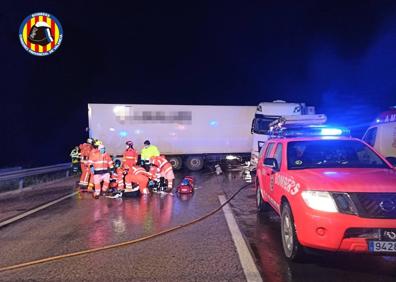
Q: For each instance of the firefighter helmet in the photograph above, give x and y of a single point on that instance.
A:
(40, 34)
(117, 163)
(129, 144)
(97, 143)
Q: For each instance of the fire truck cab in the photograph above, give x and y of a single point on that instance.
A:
(331, 191)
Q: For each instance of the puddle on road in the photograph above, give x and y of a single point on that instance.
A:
(262, 231)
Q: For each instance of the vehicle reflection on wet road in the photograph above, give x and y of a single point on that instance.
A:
(200, 252)
(203, 251)
(262, 231)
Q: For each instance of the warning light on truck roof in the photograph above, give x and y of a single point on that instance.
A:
(331, 131)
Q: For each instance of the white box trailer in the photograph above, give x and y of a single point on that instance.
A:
(183, 133)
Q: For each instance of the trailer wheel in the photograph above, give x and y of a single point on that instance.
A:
(176, 162)
(194, 163)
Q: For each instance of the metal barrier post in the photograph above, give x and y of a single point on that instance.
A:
(20, 183)
(20, 174)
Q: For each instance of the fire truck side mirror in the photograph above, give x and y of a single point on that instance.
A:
(271, 163)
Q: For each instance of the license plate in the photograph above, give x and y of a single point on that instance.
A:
(382, 246)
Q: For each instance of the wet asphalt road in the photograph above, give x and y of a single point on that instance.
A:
(263, 234)
(201, 252)
(14, 203)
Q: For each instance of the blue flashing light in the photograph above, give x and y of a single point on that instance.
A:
(123, 133)
(311, 131)
(331, 131)
(213, 123)
(377, 120)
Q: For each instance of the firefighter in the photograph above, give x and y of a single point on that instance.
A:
(85, 150)
(75, 158)
(149, 151)
(117, 180)
(164, 168)
(101, 165)
(130, 156)
(137, 174)
(119, 174)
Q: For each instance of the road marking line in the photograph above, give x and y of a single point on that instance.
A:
(245, 257)
(25, 214)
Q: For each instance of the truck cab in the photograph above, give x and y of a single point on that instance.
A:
(266, 113)
(382, 135)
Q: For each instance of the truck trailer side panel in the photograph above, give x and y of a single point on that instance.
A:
(175, 129)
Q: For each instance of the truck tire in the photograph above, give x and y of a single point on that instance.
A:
(176, 162)
(195, 163)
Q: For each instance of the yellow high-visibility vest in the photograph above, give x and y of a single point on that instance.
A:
(150, 151)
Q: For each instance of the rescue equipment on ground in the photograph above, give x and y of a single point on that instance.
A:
(158, 185)
(186, 186)
(218, 169)
(247, 176)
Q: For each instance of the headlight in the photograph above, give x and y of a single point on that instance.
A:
(319, 200)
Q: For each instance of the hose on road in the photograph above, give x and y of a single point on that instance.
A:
(123, 244)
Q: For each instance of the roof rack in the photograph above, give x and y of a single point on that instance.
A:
(304, 126)
(298, 120)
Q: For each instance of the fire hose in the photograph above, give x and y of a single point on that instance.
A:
(122, 244)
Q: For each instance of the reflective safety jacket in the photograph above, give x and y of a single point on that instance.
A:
(75, 153)
(118, 175)
(102, 163)
(150, 151)
(129, 158)
(136, 170)
(85, 150)
(163, 165)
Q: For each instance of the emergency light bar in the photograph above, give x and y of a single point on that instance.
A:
(309, 131)
(304, 125)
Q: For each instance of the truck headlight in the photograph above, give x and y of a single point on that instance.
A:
(319, 200)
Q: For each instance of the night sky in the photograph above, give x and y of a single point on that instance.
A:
(339, 56)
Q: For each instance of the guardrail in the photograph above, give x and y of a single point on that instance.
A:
(21, 174)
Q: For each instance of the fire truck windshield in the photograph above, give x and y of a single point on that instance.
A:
(331, 154)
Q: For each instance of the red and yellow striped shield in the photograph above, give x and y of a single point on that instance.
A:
(40, 34)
